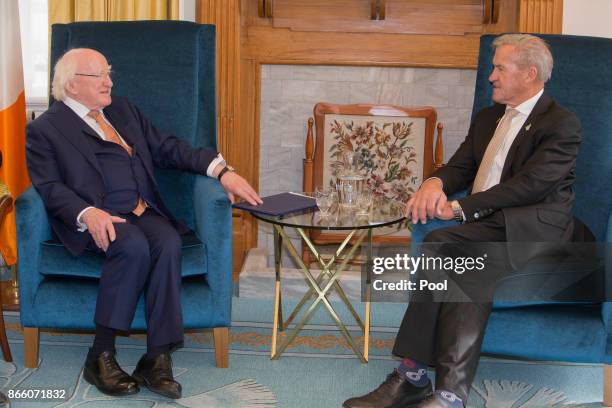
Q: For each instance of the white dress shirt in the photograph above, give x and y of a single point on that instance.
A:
(82, 111)
(524, 110)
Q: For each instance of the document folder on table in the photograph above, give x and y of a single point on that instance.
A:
(280, 204)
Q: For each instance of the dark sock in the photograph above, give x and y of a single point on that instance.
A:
(104, 341)
(414, 372)
(450, 398)
(153, 352)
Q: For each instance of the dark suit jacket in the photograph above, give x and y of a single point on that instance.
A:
(535, 191)
(65, 172)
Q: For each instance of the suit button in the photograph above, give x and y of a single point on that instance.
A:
(101, 195)
(476, 215)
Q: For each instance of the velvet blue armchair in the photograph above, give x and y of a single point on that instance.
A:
(168, 70)
(579, 331)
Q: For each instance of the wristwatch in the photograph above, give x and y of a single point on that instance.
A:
(457, 211)
(225, 170)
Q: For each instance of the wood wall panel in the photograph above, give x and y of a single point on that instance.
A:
(236, 146)
(541, 16)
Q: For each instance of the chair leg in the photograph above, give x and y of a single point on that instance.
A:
(221, 336)
(607, 397)
(6, 350)
(31, 342)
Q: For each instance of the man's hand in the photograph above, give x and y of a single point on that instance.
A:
(446, 213)
(428, 202)
(236, 185)
(100, 226)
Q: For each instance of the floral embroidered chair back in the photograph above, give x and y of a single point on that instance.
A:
(392, 147)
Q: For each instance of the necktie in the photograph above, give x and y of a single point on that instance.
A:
(492, 149)
(112, 136)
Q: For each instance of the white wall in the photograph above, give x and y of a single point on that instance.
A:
(587, 17)
(187, 10)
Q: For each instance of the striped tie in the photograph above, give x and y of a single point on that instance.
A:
(492, 150)
(112, 136)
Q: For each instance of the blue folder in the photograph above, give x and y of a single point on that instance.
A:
(280, 204)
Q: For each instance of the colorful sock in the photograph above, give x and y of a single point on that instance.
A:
(414, 372)
(450, 398)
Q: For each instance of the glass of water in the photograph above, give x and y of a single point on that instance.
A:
(364, 201)
(325, 198)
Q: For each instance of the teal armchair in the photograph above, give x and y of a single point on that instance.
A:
(580, 331)
(167, 68)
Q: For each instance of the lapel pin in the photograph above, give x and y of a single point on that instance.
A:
(528, 127)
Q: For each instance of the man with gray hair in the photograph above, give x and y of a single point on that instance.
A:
(91, 157)
(518, 160)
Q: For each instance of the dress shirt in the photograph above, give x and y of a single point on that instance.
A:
(524, 110)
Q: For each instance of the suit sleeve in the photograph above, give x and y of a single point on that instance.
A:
(552, 161)
(61, 201)
(172, 152)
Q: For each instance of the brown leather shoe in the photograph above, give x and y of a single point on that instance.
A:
(156, 374)
(395, 392)
(104, 372)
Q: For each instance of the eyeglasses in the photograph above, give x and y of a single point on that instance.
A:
(108, 74)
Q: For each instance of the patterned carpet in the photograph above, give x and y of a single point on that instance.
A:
(318, 370)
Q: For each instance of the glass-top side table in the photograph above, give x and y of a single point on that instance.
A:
(384, 212)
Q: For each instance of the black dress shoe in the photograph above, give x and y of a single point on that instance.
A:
(104, 372)
(156, 374)
(395, 392)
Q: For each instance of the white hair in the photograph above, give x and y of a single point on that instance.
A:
(64, 71)
(531, 51)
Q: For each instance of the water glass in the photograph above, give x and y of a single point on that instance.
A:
(364, 202)
(325, 198)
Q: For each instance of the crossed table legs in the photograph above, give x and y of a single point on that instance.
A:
(318, 292)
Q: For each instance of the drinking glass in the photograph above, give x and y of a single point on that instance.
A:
(364, 201)
(325, 198)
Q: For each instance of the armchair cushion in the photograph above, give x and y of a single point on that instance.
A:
(57, 261)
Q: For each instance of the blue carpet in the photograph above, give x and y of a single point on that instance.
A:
(318, 371)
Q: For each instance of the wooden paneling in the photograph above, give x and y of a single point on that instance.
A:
(235, 146)
(541, 16)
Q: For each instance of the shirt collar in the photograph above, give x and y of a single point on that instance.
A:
(78, 108)
(526, 107)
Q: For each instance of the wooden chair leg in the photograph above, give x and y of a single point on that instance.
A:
(221, 336)
(31, 342)
(607, 397)
(6, 350)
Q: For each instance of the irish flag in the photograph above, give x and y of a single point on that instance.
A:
(12, 120)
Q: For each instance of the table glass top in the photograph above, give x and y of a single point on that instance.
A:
(383, 212)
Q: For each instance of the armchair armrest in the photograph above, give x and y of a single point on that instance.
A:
(213, 221)
(32, 229)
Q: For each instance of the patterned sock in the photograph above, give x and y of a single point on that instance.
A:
(450, 398)
(414, 372)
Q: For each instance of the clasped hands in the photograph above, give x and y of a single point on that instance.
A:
(429, 202)
(100, 223)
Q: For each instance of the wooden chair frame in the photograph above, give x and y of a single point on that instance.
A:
(315, 150)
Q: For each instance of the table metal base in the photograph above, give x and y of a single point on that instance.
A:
(329, 278)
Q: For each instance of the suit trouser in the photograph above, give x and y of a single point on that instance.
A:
(145, 257)
(448, 335)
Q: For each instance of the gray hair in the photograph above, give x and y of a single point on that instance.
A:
(531, 51)
(64, 71)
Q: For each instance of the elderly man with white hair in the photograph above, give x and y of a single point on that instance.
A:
(518, 162)
(91, 157)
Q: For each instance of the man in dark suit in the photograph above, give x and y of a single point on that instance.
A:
(91, 157)
(518, 159)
